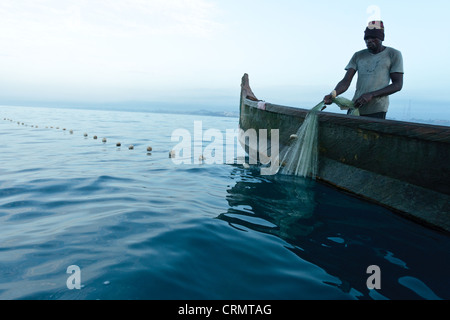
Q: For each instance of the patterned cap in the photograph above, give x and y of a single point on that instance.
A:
(375, 29)
(379, 25)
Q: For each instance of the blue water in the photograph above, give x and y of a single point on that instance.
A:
(140, 226)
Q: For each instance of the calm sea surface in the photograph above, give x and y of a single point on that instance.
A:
(140, 226)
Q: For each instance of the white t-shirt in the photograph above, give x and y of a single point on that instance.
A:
(374, 72)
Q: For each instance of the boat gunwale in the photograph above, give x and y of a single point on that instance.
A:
(430, 132)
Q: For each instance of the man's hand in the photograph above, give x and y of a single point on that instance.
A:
(364, 99)
(328, 99)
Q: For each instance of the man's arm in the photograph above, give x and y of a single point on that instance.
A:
(342, 86)
(395, 86)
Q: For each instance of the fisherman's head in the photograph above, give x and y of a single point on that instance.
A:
(374, 35)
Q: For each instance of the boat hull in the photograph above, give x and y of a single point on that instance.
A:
(401, 165)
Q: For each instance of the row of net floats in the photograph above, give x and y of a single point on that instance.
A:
(104, 140)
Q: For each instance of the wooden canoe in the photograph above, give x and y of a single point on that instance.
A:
(401, 165)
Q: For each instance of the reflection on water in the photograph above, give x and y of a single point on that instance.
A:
(281, 205)
(342, 235)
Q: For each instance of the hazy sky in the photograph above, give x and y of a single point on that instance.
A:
(143, 50)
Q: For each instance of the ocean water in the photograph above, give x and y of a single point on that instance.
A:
(140, 226)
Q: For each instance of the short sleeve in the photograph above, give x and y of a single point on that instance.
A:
(397, 62)
(353, 63)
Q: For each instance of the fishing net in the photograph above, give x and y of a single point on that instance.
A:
(346, 104)
(301, 157)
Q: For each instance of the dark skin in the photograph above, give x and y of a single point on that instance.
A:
(375, 46)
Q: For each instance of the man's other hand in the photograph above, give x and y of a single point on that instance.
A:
(364, 99)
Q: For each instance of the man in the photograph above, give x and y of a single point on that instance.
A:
(377, 66)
